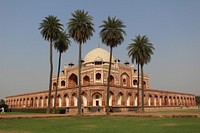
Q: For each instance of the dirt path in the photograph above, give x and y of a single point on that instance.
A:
(167, 113)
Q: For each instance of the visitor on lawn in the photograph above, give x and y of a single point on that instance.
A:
(2, 110)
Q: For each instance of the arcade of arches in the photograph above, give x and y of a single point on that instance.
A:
(94, 98)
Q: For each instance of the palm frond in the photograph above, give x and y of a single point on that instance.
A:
(50, 28)
(80, 26)
(140, 50)
(63, 42)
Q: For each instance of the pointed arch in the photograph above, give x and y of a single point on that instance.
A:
(98, 76)
(41, 103)
(119, 98)
(52, 100)
(66, 100)
(128, 99)
(145, 85)
(75, 99)
(59, 101)
(73, 80)
(166, 100)
(36, 102)
(111, 98)
(54, 85)
(136, 99)
(46, 101)
(150, 100)
(86, 80)
(156, 102)
(31, 102)
(62, 83)
(134, 82)
(112, 80)
(84, 98)
(125, 79)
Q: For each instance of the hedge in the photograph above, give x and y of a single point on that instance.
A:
(36, 110)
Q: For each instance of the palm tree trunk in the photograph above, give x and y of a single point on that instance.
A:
(108, 87)
(142, 76)
(79, 77)
(50, 78)
(57, 83)
(138, 91)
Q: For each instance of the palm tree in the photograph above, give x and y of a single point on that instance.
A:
(50, 28)
(141, 49)
(80, 28)
(61, 45)
(112, 35)
(133, 53)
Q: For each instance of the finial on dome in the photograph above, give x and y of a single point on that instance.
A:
(98, 45)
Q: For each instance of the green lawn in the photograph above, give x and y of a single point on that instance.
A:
(101, 124)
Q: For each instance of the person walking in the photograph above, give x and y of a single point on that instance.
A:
(2, 110)
(82, 109)
(99, 108)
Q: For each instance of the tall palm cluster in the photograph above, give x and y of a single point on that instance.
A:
(51, 30)
(81, 28)
(140, 50)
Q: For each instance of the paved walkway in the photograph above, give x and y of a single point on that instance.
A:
(131, 114)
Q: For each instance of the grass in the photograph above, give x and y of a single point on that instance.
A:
(179, 111)
(101, 124)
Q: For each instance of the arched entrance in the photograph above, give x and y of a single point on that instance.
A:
(135, 100)
(75, 100)
(66, 100)
(149, 100)
(41, 102)
(97, 99)
(110, 98)
(119, 99)
(128, 100)
(84, 98)
(59, 101)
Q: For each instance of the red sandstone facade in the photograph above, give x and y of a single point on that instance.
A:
(94, 73)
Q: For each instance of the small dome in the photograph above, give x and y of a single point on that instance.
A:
(98, 54)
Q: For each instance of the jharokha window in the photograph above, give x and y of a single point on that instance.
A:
(134, 82)
(62, 83)
(124, 81)
(54, 85)
(97, 96)
(98, 76)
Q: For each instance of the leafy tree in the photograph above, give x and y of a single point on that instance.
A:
(197, 100)
(61, 45)
(142, 49)
(80, 28)
(2, 102)
(4, 105)
(50, 28)
(112, 34)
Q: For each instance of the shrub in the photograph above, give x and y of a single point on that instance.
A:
(197, 100)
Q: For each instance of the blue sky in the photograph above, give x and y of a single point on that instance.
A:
(173, 26)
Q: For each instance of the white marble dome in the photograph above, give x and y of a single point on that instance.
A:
(96, 55)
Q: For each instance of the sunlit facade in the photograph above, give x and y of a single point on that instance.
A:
(94, 73)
